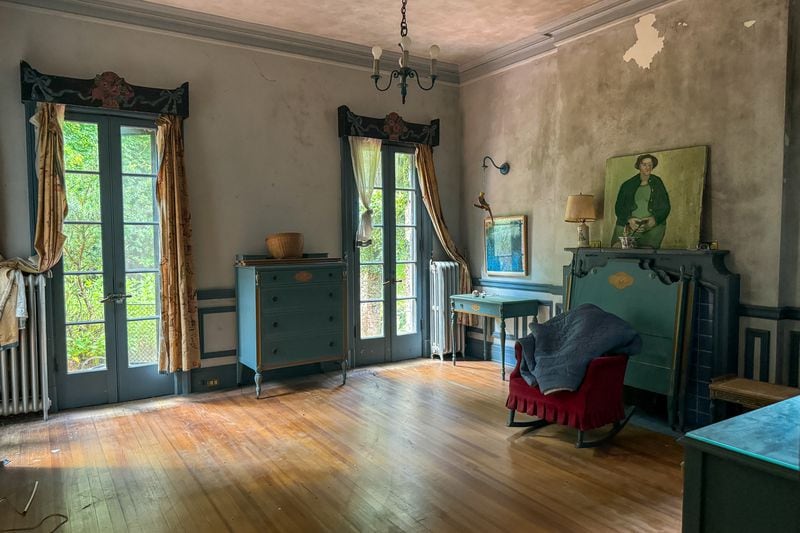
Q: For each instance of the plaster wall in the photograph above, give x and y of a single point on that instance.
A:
(716, 81)
(262, 152)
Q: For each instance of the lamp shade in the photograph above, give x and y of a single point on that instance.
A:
(580, 207)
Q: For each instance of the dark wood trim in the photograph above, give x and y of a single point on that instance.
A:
(794, 359)
(770, 313)
(106, 90)
(750, 337)
(216, 294)
(392, 127)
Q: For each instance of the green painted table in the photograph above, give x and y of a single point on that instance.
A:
(743, 474)
(498, 307)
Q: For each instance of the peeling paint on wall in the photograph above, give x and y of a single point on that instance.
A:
(648, 42)
(749, 23)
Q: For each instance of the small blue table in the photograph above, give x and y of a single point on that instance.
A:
(497, 307)
(743, 474)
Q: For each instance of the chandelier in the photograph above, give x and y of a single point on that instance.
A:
(404, 72)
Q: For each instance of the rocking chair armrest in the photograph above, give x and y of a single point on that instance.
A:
(518, 355)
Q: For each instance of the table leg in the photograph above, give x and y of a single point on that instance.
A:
(503, 346)
(453, 330)
(485, 338)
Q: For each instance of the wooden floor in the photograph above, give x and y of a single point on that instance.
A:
(417, 446)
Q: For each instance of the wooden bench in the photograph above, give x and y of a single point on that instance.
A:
(749, 393)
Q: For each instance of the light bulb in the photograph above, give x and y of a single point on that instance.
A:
(405, 42)
(434, 51)
(376, 52)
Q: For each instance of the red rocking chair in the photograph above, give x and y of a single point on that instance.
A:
(596, 403)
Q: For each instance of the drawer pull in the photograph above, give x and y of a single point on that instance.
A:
(331, 344)
(330, 294)
(274, 351)
(274, 278)
(274, 298)
(330, 319)
(274, 324)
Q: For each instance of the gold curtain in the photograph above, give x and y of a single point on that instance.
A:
(50, 214)
(429, 187)
(180, 339)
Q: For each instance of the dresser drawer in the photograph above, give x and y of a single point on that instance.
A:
(301, 349)
(277, 298)
(300, 276)
(478, 307)
(304, 321)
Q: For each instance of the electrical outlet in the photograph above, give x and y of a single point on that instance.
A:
(213, 382)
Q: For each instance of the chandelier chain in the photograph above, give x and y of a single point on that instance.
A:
(403, 24)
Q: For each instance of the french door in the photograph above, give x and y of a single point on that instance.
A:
(390, 273)
(105, 291)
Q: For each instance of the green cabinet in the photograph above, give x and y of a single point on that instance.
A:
(290, 313)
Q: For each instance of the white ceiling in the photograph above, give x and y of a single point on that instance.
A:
(464, 29)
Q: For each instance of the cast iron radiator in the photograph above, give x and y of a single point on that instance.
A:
(444, 283)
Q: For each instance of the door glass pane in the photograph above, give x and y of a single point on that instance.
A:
(406, 317)
(143, 291)
(140, 247)
(138, 147)
(82, 295)
(405, 208)
(376, 204)
(139, 196)
(83, 249)
(406, 280)
(83, 197)
(142, 342)
(371, 282)
(404, 171)
(371, 320)
(406, 244)
(81, 149)
(374, 252)
(86, 347)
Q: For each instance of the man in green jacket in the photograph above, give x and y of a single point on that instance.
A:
(642, 205)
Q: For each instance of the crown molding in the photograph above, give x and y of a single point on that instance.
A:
(182, 21)
(176, 20)
(549, 37)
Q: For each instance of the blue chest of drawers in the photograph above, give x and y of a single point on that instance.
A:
(291, 313)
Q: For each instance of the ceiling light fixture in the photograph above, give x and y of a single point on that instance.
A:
(404, 72)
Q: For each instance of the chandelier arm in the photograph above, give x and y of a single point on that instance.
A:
(433, 82)
(393, 74)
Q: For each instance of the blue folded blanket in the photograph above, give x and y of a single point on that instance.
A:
(555, 356)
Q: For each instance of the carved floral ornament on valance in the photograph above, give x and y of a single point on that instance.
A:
(392, 127)
(106, 90)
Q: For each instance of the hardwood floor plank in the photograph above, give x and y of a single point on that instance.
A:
(414, 447)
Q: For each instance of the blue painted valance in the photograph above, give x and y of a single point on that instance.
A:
(106, 90)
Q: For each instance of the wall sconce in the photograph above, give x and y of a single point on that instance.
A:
(580, 208)
(504, 168)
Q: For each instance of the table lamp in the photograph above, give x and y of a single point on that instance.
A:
(580, 208)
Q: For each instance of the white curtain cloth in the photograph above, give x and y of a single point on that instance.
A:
(366, 156)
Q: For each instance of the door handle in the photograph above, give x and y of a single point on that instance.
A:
(388, 281)
(118, 298)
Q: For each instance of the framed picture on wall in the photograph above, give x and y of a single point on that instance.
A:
(506, 245)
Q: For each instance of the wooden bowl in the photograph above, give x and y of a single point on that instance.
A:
(285, 245)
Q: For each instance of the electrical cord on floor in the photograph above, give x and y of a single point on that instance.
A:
(24, 511)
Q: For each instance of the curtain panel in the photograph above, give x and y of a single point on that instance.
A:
(429, 188)
(51, 211)
(366, 155)
(180, 339)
